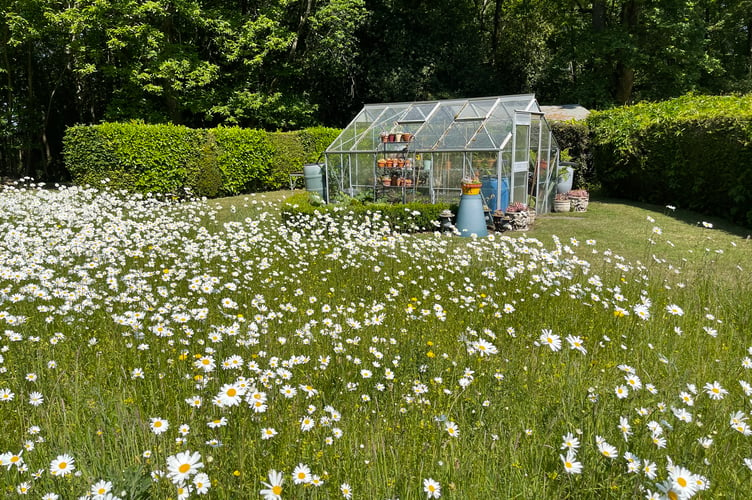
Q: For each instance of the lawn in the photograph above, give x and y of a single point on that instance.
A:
(177, 350)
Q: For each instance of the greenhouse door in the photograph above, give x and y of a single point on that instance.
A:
(520, 157)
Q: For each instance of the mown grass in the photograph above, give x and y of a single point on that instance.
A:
(394, 336)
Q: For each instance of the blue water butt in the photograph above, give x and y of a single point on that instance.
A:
(489, 188)
(470, 217)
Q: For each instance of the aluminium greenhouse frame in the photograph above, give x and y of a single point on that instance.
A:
(428, 147)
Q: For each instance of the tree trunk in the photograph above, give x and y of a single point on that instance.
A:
(749, 48)
(496, 30)
(624, 72)
(599, 16)
(29, 139)
(301, 26)
(624, 83)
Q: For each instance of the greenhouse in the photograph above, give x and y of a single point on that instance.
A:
(422, 151)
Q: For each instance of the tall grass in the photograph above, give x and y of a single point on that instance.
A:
(122, 313)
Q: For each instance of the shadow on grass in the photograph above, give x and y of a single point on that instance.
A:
(684, 216)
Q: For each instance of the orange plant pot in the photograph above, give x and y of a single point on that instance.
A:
(471, 188)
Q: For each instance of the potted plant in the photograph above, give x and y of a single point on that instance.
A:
(471, 185)
(384, 136)
(579, 199)
(562, 203)
(520, 216)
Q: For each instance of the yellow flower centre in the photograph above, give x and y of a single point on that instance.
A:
(62, 465)
(232, 392)
(184, 468)
(672, 495)
(568, 465)
(14, 459)
(682, 482)
(277, 489)
(301, 475)
(157, 424)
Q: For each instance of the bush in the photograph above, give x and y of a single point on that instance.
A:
(694, 152)
(169, 158)
(244, 157)
(134, 156)
(315, 140)
(292, 150)
(204, 178)
(407, 217)
(573, 135)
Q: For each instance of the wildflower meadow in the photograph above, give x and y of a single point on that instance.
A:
(196, 349)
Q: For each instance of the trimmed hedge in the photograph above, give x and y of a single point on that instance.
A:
(170, 158)
(132, 156)
(294, 149)
(244, 159)
(407, 217)
(694, 152)
(574, 135)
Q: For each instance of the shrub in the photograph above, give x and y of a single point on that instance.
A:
(693, 151)
(204, 178)
(289, 156)
(315, 141)
(294, 149)
(244, 157)
(574, 135)
(403, 217)
(168, 158)
(134, 156)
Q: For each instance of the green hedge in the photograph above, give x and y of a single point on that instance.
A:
(244, 158)
(133, 156)
(294, 149)
(407, 217)
(694, 152)
(574, 136)
(171, 158)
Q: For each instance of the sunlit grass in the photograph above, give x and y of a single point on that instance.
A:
(121, 313)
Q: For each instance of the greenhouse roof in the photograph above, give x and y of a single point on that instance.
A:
(479, 124)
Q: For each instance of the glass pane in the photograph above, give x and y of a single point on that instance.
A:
(458, 134)
(522, 144)
(475, 110)
(519, 187)
(418, 112)
(429, 135)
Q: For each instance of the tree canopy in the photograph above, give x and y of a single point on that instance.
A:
(285, 64)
